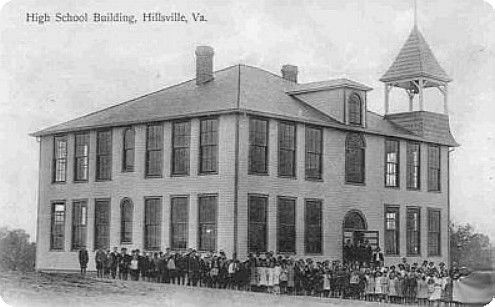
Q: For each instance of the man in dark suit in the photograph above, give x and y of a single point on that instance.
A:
(83, 260)
(100, 259)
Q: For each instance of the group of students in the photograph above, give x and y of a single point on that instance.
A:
(280, 274)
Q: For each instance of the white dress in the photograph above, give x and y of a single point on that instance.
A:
(378, 285)
(437, 289)
(276, 276)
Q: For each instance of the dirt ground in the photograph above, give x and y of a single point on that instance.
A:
(43, 289)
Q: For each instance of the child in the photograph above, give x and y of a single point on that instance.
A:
(277, 270)
(369, 289)
(284, 277)
(392, 287)
(378, 286)
(326, 283)
(134, 268)
(385, 286)
(354, 284)
(422, 292)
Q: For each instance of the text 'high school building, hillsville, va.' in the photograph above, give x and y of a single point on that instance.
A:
(244, 160)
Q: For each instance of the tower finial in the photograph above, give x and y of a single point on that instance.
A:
(415, 13)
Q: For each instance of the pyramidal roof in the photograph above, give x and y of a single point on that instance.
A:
(415, 59)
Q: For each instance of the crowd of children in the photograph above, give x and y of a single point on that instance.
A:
(414, 283)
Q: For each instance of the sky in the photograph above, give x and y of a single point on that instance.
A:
(55, 72)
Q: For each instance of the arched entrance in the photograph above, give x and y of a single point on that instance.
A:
(355, 232)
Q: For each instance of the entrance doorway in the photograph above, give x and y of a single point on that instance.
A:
(355, 231)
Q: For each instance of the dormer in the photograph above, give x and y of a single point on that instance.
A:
(342, 99)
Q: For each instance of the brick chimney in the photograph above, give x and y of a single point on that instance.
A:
(289, 72)
(204, 64)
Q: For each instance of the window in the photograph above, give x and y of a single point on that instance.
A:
(433, 232)
(81, 157)
(392, 230)
(60, 159)
(179, 222)
(314, 146)
(104, 155)
(154, 149)
(286, 226)
(181, 133)
(257, 241)
(413, 166)
(433, 168)
(79, 224)
(102, 224)
(354, 158)
(413, 232)
(312, 224)
(57, 232)
(126, 212)
(152, 223)
(208, 151)
(392, 163)
(355, 110)
(128, 152)
(258, 146)
(286, 149)
(207, 223)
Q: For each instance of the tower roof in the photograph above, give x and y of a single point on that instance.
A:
(415, 60)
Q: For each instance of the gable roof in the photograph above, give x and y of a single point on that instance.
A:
(327, 85)
(415, 59)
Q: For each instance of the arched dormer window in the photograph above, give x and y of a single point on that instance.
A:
(128, 150)
(354, 158)
(126, 212)
(355, 110)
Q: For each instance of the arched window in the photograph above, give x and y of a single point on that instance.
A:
(354, 220)
(126, 209)
(128, 153)
(355, 110)
(354, 158)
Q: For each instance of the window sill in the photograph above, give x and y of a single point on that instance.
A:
(258, 174)
(413, 189)
(435, 191)
(127, 171)
(313, 179)
(355, 183)
(393, 187)
(313, 254)
(153, 176)
(179, 175)
(287, 177)
(125, 243)
(80, 181)
(103, 180)
(413, 255)
(207, 173)
(59, 182)
(57, 250)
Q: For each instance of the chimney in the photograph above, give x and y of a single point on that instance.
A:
(204, 64)
(289, 72)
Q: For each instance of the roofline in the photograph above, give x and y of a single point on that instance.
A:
(243, 111)
(330, 87)
(414, 76)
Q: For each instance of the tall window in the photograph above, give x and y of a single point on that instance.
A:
(154, 150)
(81, 157)
(60, 159)
(207, 223)
(413, 231)
(126, 213)
(128, 151)
(392, 230)
(180, 147)
(57, 231)
(152, 222)
(286, 149)
(179, 225)
(314, 140)
(433, 232)
(102, 224)
(354, 158)
(286, 226)
(413, 166)
(79, 224)
(258, 146)
(355, 110)
(208, 154)
(104, 155)
(312, 230)
(257, 235)
(392, 164)
(433, 168)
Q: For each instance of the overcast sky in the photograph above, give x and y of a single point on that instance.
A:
(55, 72)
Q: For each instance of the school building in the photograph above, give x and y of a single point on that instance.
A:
(245, 160)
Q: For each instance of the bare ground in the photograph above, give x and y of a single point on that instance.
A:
(57, 289)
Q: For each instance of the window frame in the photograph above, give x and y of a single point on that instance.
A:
(293, 225)
(79, 230)
(157, 224)
(306, 231)
(200, 223)
(252, 171)
(413, 168)
(76, 156)
(387, 171)
(356, 150)
(307, 176)
(128, 168)
(439, 233)
(175, 148)
(392, 209)
(96, 225)
(281, 149)
(216, 120)
(56, 159)
(159, 173)
(53, 205)
(265, 223)
(100, 155)
(172, 222)
(350, 104)
(437, 169)
(409, 232)
(123, 223)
